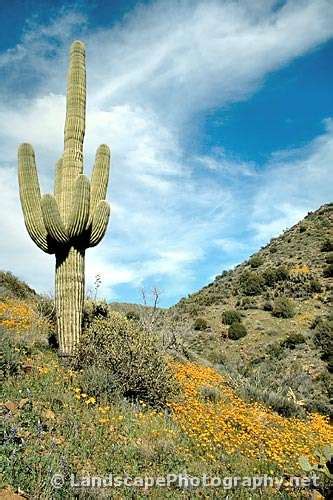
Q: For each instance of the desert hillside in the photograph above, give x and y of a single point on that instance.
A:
(236, 379)
(280, 305)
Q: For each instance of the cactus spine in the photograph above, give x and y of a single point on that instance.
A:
(76, 216)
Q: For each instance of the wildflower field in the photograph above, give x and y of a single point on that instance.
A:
(51, 426)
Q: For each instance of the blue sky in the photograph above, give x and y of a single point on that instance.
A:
(219, 115)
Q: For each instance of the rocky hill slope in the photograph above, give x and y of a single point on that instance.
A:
(268, 322)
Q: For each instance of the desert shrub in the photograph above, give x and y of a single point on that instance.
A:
(210, 394)
(327, 246)
(231, 316)
(251, 283)
(133, 315)
(273, 249)
(315, 286)
(94, 309)
(274, 275)
(247, 303)
(302, 228)
(237, 331)
(328, 271)
(11, 356)
(329, 258)
(200, 324)
(293, 340)
(283, 308)
(125, 361)
(256, 261)
(316, 321)
(323, 337)
(268, 306)
(46, 307)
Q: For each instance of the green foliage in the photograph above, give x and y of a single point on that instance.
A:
(251, 283)
(329, 258)
(327, 246)
(323, 337)
(293, 340)
(11, 356)
(275, 275)
(256, 261)
(236, 331)
(210, 394)
(13, 287)
(328, 271)
(133, 315)
(200, 324)
(231, 316)
(323, 466)
(268, 306)
(273, 249)
(302, 228)
(94, 309)
(315, 286)
(283, 308)
(247, 303)
(120, 359)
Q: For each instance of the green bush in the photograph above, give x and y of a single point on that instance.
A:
(211, 394)
(251, 283)
(283, 308)
(11, 356)
(268, 306)
(273, 249)
(327, 246)
(315, 286)
(328, 271)
(256, 261)
(200, 324)
(94, 309)
(274, 275)
(231, 316)
(302, 228)
(323, 337)
(292, 340)
(133, 315)
(120, 359)
(329, 258)
(237, 331)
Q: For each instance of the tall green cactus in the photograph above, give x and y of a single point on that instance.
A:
(77, 215)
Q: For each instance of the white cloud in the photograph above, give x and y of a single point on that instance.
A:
(162, 66)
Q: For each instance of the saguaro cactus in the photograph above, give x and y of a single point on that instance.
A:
(76, 216)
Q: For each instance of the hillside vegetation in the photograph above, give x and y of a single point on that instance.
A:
(268, 323)
(235, 380)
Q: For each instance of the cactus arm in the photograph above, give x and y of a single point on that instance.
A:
(81, 205)
(74, 127)
(31, 198)
(52, 219)
(99, 223)
(58, 180)
(100, 177)
(76, 99)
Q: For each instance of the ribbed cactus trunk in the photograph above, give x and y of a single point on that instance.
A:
(76, 216)
(69, 286)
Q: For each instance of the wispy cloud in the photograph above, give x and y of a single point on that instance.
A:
(158, 69)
